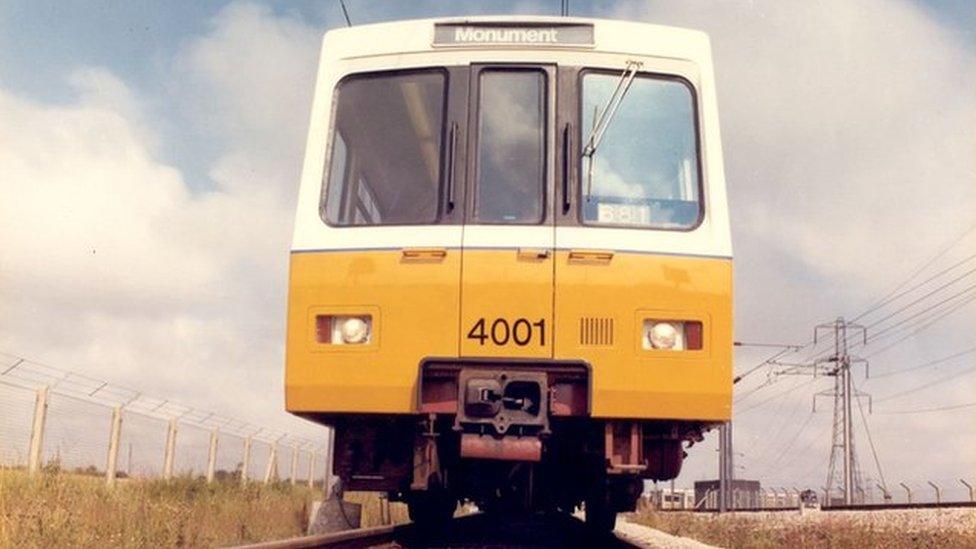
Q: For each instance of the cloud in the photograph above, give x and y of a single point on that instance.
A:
(848, 137)
(248, 82)
(848, 144)
(114, 265)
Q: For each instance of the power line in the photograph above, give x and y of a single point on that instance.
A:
(874, 451)
(923, 311)
(777, 395)
(345, 12)
(925, 364)
(924, 265)
(894, 293)
(920, 326)
(913, 288)
(927, 385)
(924, 296)
(928, 410)
(792, 441)
(771, 358)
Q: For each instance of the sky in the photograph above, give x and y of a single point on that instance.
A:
(150, 155)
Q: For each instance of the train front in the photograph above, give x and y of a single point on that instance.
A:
(511, 276)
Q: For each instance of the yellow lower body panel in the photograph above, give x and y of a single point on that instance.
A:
(592, 311)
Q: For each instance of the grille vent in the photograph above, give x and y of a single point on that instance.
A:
(596, 331)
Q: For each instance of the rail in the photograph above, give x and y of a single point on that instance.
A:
(856, 507)
(363, 537)
(471, 530)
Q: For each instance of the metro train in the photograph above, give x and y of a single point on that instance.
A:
(511, 273)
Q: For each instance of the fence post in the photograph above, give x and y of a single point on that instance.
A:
(170, 450)
(826, 501)
(884, 492)
(968, 486)
(938, 493)
(294, 463)
(113, 446)
(37, 432)
(329, 462)
(212, 457)
(907, 490)
(311, 469)
(384, 509)
(272, 463)
(245, 460)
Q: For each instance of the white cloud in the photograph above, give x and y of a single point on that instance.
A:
(249, 80)
(113, 265)
(848, 139)
(848, 142)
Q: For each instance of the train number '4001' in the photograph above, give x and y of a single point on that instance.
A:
(501, 331)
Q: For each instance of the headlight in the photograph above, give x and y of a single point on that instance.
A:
(354, 330)
(672, 335)
(663, 335)
(343, 330)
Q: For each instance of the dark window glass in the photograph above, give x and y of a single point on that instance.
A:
(645, 170)
(511, 146)
(386, 150)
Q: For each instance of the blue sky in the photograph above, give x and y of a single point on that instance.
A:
(848, 139)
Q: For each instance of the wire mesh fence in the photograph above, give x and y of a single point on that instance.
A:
(50, 418)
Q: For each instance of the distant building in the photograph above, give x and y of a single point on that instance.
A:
(745, 494)
(664, 498)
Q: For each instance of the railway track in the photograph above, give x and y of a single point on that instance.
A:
(832, 508)
(476, 530)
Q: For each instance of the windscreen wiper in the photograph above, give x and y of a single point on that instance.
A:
(601, 122)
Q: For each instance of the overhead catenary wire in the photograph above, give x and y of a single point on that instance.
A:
(777, 395)
(927, 364)
(924, 297)
(345, 12)
(913, 288)
(948, 408)
(952, 297)
(921, 268)
(792, 441)
(897, 292)
(907, 323)
(927, 385)
(919, 326)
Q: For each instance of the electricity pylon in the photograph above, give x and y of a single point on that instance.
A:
(847, 477)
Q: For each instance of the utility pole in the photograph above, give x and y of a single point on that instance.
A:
(726, 468)
(847, 477)
(843, 473)
(723, 469)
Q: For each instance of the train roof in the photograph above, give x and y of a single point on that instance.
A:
(516, 32)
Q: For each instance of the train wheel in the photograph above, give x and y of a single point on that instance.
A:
(665, 458)
(601, 516)
(431, 507)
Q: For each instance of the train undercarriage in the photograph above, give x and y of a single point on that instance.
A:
(509, 437)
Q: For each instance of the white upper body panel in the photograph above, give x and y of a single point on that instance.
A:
(410, 44)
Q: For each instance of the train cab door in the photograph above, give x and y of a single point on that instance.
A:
(508, 235)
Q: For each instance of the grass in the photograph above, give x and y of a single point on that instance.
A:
(371, 511)
(59, 509)
(825, 530)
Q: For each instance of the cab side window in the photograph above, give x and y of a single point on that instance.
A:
(385, 163)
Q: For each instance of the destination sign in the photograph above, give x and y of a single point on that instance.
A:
(458, 34)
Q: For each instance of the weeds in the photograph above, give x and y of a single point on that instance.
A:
(58, 509)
